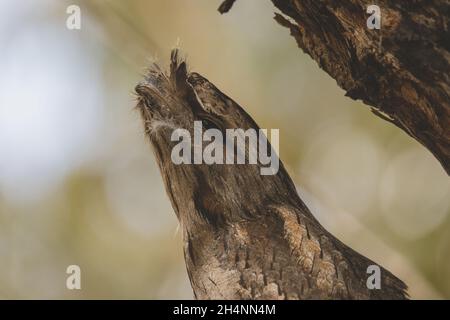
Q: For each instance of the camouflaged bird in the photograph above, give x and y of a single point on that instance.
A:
(246, 235)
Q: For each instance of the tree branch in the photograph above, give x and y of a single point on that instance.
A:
(402, 70)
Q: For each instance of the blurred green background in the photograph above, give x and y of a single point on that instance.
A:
(79, 185)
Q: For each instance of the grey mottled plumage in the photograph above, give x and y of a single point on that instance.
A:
(246, 236)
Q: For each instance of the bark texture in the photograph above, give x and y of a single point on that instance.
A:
(246, 235)
(402, 70)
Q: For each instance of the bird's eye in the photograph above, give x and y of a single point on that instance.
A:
(208, 124)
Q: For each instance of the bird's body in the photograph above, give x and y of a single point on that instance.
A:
(283, 256)
(246, 235)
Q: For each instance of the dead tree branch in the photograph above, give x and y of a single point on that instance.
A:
(401, 70)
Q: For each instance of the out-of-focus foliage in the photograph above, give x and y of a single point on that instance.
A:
(78, 183)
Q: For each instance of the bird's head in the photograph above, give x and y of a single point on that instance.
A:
(177, 100)
(172, 107)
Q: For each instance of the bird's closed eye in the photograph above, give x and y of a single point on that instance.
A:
(210, 124)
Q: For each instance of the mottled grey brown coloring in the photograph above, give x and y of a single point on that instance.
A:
(246, 236)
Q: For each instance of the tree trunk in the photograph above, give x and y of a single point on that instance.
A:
(401, 70)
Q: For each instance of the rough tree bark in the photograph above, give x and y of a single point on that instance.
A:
(402, 70)
(246, 235)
